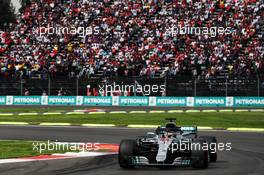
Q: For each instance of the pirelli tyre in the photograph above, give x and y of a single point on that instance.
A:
(126, 151)
(212, 142)
(200, 157)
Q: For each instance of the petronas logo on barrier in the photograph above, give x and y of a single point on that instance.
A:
(229, 101)
(152, 101)
(190, 101)
(115, 101)
(44, 100)
(79, 100)
(9, 100)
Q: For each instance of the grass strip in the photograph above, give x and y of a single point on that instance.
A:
(15, 149)
(214, 119)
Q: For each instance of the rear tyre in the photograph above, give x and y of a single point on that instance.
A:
(212, 142)
(126, 151)
(200, 157)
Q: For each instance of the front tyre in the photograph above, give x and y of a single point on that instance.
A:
(200, 157)
(126, 151)
(212, 142)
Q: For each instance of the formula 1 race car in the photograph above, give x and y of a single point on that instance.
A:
(168, 146)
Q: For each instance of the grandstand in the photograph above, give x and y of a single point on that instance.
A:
(132, 44)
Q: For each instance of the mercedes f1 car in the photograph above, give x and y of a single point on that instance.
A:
(170, 145)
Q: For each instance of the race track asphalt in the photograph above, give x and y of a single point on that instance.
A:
(246, 156)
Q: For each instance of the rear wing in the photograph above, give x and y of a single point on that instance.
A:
(171, 120)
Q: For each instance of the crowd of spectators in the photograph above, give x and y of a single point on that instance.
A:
(130, 38)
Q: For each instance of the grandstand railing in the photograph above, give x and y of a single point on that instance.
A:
(176, 86)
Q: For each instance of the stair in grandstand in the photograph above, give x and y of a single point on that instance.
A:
(223, 74)
(98, 73)
(260, 32)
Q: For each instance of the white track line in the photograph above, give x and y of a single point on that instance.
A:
(156, 112)
(6, 114)
(138, 112)
(117, 112)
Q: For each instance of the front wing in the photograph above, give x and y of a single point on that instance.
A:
(143, 161)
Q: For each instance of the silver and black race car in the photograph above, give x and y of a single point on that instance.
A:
(168, 146)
